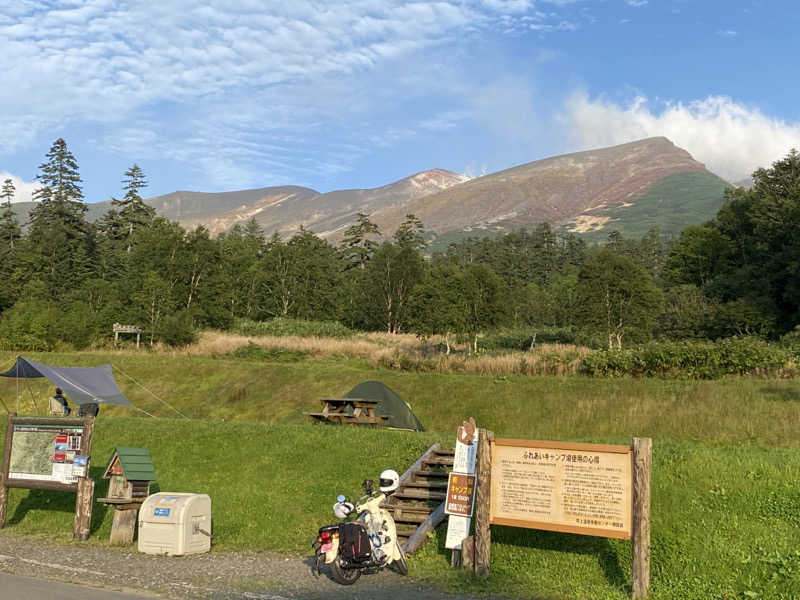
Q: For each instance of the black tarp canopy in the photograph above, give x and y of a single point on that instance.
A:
(83, 385)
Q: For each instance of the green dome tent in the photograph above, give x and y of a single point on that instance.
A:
(389, 403)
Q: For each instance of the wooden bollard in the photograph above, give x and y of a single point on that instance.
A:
(483, 538)
(640, 536)
(83, 509)
(123, 526)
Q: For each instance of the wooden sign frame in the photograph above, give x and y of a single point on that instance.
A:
(477, 548)
(83, 487)
(562, 450)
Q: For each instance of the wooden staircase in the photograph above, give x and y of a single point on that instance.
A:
(418, 504)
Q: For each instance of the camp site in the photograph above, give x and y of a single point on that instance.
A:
(230, 417)
(400, 299)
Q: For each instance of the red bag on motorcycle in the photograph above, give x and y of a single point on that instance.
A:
(354, 543)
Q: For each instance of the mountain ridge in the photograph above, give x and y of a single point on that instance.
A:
(584, 192)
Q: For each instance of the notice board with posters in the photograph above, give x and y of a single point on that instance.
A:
(562, 486)
(49, 454)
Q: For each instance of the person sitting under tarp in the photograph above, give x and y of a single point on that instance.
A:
(88, 409)
(58, 404)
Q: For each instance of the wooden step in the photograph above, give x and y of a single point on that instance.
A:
(405, 530)
(439, 460)
(426, 484)
(420, 494)
(444, 452)
(431, 473)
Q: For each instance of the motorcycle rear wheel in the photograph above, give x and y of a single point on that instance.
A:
(343, 576)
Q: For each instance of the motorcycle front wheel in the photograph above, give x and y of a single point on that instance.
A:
(399, 564)
(343, 576)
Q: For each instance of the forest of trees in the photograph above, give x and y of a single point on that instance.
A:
(65, 280)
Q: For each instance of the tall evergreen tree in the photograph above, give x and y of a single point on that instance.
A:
(9, 227)
(410, 234)
(133, 212)
(58, 229)
(357, 246)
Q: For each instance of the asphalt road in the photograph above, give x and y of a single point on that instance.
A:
(15, 587)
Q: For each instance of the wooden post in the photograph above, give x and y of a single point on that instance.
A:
(640, 536)
(468, 553)
(83, 508)
(123, 526)
(5, 467)
(482, 536)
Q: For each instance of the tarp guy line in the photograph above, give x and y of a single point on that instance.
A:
(150, 392)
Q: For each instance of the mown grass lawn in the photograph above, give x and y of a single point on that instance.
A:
(726, 468)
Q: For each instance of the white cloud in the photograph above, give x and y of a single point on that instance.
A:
(636, 3)
(730, 138)
(173, 68)
(24, 189)
(728, 33)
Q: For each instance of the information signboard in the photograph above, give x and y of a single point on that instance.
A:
(45, 452)
(561, 486)
(460, 494)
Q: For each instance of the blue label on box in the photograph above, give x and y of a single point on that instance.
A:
(161, 512)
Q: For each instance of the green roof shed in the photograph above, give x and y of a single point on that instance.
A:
(133, 464)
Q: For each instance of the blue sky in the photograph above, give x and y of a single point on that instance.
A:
(248, 93)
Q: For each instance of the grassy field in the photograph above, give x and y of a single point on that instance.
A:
(752, 410)
(726, 465)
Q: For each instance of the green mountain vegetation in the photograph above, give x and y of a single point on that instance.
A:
(671, 204)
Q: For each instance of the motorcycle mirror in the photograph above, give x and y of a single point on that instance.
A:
(340, 498)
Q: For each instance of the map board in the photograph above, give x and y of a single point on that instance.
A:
(46, 453)
(49, 453)
(562, 486)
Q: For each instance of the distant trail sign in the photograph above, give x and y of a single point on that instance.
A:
(49, 454)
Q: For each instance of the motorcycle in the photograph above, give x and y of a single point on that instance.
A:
(367, 543)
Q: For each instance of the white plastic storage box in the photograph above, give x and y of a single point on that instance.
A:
(175, 523)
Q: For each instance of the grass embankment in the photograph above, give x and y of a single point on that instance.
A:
(762, 411)
(726, 519)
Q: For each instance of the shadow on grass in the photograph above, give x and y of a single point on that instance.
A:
(599, 547)
(781, 394)
(64, 502)
(607, 555)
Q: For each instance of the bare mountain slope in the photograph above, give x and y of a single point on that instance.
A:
(221, 211)
(329, 214)
(567, 190)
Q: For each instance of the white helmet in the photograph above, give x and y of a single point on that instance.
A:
(388, 481)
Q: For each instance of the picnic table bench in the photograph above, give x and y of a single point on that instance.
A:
(355, 411)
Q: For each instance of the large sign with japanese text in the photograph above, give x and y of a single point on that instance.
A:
(562, 486)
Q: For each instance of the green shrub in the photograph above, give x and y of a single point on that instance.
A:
(521, 339)
(40, 324)
(269, 354)
(177, 329)
(699, 360)
(281, 326)
(791, 341)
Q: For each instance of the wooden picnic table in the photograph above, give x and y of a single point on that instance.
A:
(356, 411)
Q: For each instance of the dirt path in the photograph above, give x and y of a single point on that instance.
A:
(217, 575)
